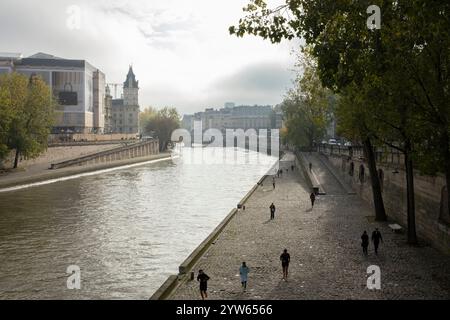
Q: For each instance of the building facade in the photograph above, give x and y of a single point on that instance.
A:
(235, 117)
(108, 110)
(78, 88)
(125, 111)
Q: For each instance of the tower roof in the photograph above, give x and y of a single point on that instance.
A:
(130, 81)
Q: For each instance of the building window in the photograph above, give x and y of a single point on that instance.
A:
(66, 118)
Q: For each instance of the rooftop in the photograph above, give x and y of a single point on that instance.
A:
(10, 56)
(41, 59)
(130, 81)
(42, 55)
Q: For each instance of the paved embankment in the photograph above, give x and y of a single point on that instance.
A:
(51, 155)
(43, 173)
(324, 243)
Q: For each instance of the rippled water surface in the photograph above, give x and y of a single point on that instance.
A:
(127, 230)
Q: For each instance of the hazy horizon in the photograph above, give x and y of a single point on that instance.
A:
(181, 51)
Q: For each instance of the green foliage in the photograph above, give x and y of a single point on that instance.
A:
(393, 82)
(26, 108)
(13, 91)
(307, 106)
(145, 117)
(160, 124)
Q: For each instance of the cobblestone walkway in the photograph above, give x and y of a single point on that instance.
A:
(324, 244)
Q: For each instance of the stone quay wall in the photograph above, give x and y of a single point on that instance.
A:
(90, 137)
(171, 284)
(432, 215)
(137, 150)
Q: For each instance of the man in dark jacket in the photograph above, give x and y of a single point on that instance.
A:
(203, 279)
(272, 211)
(312, 196)
(285, 259)
(365, 242)
(376, 238)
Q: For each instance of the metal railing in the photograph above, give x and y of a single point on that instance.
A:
(384, 155)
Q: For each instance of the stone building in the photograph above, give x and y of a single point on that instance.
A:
(78, 88)
(235, 117)
(108, 110)
(125, 111)
(432, 211)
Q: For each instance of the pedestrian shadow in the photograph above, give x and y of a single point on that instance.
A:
(308, 210)
(267, 221)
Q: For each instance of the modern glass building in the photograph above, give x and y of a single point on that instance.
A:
(78, 88)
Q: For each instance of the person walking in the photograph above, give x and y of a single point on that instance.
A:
(310, 167)
(365, 242)
(285, 259)
(312, 196)
(273, 182)
(243, 272)
(376, 238)
(272, 211)
(203, 279)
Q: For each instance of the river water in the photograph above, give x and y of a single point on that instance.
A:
(127, 230)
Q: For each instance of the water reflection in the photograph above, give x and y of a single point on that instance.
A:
(127, 230)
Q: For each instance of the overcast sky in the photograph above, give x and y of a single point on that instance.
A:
(180, 50)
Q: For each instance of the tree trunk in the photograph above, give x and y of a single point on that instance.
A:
(446, 141)
(16, 159)
(411, 209)
(310, 138)
(380, 213)
(447, 180)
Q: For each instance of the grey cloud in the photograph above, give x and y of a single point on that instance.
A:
(263, 83)
(156, 25)
(32, 26)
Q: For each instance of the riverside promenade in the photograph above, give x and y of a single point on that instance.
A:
(324, 243)
(39, 170)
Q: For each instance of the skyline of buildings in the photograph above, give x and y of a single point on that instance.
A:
(235, 117)
(85, 103)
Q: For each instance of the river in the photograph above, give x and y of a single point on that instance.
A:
(127, 229)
